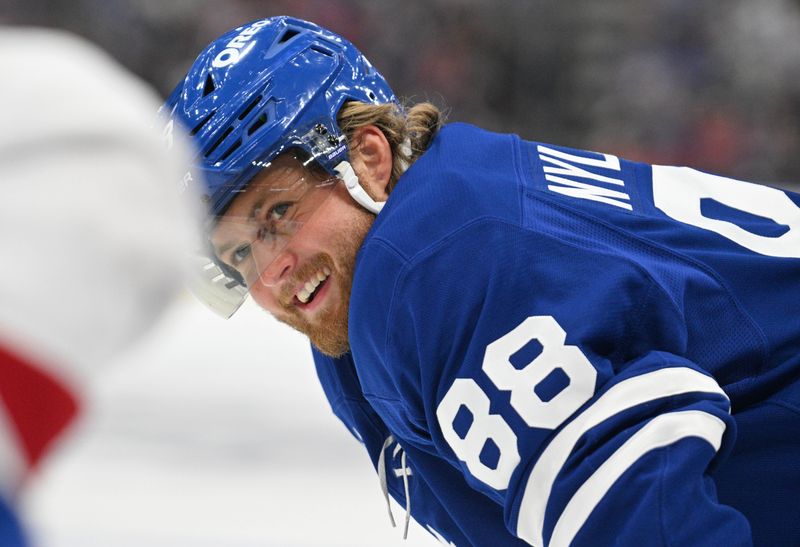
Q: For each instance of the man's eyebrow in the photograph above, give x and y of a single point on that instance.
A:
(269, 192)
(224, 249)
(257, 204)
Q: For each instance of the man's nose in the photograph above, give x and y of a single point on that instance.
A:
(279, 269)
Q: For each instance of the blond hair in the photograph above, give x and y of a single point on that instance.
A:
(417, 125)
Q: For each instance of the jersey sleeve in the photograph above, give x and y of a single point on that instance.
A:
(402, 475)
(551, 376)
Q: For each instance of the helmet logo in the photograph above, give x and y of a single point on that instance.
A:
(232, 50)
(185, 181)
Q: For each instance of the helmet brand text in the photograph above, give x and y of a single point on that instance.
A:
(233, 49)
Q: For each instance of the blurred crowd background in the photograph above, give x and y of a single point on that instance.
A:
(186, 442)
(711, 84)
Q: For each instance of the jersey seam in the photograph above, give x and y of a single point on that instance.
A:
(662, 493)
(406, 268)
(785, 404)
(388, 245)
(433, 247)
(645, 300)
(382, 398)
(517, 160)
(680, 257)
(444, 238)
(411, 262)
(629, 261)
(341, 404)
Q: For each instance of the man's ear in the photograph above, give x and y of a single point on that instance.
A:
(371, 158)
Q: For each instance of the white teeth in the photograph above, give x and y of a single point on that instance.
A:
(303, 295)
(311, 285)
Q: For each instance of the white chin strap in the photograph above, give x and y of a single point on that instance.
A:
(345, 172)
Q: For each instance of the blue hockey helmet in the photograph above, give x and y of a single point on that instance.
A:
(266, 87)
(257, 91)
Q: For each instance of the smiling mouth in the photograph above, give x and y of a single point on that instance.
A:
(312, 287)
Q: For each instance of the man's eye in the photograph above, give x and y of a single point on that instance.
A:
(240, 254)
(278, 211)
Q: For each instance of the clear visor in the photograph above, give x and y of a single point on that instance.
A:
(262, 220)
(259, 224)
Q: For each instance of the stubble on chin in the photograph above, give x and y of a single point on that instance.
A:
(329, 330)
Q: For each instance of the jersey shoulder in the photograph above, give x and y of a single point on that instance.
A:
(465, 175)
(600, 181)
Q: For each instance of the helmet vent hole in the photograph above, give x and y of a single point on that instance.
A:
(250, 107)
(371, 95)
(200, 125)
(209, 86)
(218, 142)
(230, 150)
(260, 121)
(321, 50)
(288, 35)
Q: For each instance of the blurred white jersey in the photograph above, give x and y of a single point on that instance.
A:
(92, 234)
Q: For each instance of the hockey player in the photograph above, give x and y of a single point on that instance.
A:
(537, 345)
(91, 228)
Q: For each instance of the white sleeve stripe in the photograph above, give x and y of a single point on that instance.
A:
(627, 394)
(659, 432)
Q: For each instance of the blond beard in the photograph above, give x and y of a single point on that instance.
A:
(329, 332)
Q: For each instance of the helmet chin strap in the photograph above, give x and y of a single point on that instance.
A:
(345, 172)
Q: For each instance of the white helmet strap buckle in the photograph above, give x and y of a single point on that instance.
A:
(345, 172)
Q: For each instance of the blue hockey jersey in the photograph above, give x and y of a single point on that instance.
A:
(573, 349)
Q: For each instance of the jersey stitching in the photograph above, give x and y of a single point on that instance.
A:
(635, 265)
(382, 398)
(517, 159)
(661, 494)
(433, 246)
(785, 404)
(646, 298)
(377, 240)
(409, 265)
(405, 270)
(678, 256)
(386, 244)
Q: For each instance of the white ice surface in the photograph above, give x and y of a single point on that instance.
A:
(211, 433)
